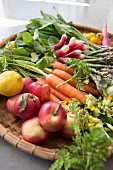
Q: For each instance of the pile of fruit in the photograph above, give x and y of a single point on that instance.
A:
(31, 101)
(59, 80)
(94, 38)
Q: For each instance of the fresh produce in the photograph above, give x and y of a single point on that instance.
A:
(61, 96)
(61, 52)
(67, 131)
(27, 106)
(10, 104)
(60, 66)
(33, 132)
(76, 45)
(61, 43)
(54, 98)
(66, 88)
(105, 39)
(37, 52)
(52, 116)
(11, 83)
(95, 38)
(42, 91)
(26, 82)
(70, 79)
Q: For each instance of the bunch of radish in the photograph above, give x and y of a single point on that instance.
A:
(72, 48)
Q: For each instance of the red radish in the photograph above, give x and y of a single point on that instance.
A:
(72, 40)
(61, 43)
(33, 132)
(73, 53)
(74, 45)
(63, 59)
(26, 82)
(62, 51)
(82, 47)
(10, 104)
(80, 56)
(105, 39)
(27, 106)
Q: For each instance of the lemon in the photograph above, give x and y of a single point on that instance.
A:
(11, 83)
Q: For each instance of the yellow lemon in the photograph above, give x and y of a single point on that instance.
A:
(11, 83)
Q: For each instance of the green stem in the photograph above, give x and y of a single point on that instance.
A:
(98, 51)
(93, 60)
(100, 65)
(65, 81)
(31, 68)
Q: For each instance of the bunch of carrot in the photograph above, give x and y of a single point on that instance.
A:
(67, 90)
(72, 48)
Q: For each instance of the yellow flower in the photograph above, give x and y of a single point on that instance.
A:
(105, 98)
(91, 119)
(99, 103)
(64, 103)
(109, 97)
(92, 108)
(78, 103)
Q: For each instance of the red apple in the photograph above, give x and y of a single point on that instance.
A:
(41, 90)
(33, 132)
(67, 132)
(10, 104)
(52, 116)
(42, 81)
(27, 106)
(26, 82)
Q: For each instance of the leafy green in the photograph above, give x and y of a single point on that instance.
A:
(42, 63)
(90, 147)
(82, 71)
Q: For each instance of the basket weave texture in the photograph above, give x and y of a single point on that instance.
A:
(10, 126)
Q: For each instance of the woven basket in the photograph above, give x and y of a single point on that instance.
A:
(10, 126)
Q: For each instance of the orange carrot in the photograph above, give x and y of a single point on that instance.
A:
(60, 66)
(54, 98)
(65, 76)
(66, 88)
(59, 94)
